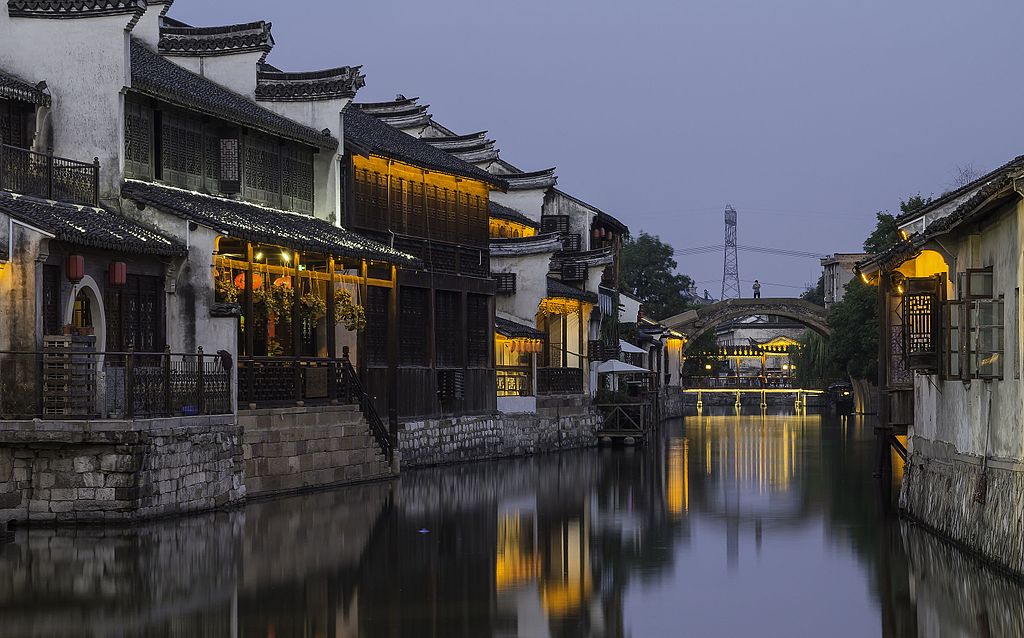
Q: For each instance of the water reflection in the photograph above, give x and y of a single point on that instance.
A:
(724, 525)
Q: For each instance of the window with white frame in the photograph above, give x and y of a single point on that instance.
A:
(975, 329)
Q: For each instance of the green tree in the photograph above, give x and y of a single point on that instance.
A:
(701, 353)
(816, 293)
(886, 233)
(648, 272)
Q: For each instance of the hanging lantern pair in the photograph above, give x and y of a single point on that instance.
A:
(257, 281)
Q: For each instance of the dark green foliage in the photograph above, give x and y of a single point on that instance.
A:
(886, 232)
(700, 353)
(816, 293)
(852, 351)
(648, 271)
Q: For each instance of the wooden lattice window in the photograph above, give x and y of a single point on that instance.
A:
(181, 150)
(921, 323)
(376, 333)
(138, 140)
(954, 340)
(412, 326)
(297, 168)
(415, 220)
(478, 331)
(52, 320)
(262, 172)
(986, 339)
(448, 329)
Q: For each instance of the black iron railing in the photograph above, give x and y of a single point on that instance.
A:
(75, 383)
(354, 390)
(48, 176)
(559, 381)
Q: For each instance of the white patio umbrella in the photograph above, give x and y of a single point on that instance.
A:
(626, 346)
(615, 366)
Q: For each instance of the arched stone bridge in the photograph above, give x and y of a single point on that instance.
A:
(694, 323)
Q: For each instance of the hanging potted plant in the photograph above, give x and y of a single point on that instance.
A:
(347, 312)
(314, 306)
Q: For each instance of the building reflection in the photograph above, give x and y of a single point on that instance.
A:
(546, 547)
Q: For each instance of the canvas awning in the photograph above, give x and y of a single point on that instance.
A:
(615, 366)
(626, 346)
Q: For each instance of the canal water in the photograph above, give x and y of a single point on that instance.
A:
(725, 525)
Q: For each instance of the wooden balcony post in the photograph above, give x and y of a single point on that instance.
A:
(393, 359)
(332, 336)
(250, 314)
(296, 327)
(582, 343)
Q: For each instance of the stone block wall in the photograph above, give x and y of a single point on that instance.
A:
(557, 425)
(939, 488)
(290, 449)
(111, 471)
(672, 402)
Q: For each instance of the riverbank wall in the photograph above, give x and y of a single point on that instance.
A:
(117, 471)
(560, 423)
(976, 507)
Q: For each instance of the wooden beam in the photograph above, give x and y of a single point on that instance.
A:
(393, 359)
(226, 262)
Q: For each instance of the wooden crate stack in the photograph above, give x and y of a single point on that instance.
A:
(69, 376)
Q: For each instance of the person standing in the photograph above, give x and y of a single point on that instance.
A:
(757, 289)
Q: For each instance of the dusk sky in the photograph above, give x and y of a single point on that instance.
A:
(808, 116)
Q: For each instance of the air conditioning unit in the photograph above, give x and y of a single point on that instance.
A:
(574, 273)
(572, 242)
(450, 385)
(554, 224)
(506, 282)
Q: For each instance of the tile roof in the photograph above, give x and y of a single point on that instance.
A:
(969, 210)
(274, 85)
(516, 330)
(73, 8)
(180, 39)
(370, 135)
(157, 77)
(494, 209)
(964, 190)
(537, 179)
(14, 88)
(558, 289)
(251, 222)
(88, 226)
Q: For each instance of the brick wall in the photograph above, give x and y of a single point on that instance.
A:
(290, 449)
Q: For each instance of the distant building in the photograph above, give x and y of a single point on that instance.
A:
(838, 271)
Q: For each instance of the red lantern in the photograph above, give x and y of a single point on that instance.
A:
(118, 273)
(283, 281)
(75, 268)
(257, 281)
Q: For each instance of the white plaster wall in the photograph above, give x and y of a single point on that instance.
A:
(235, 72)
(531, 285)
(580, 217)
(148, 27)
(514, 405)
(629, 310)
(528, 202)
(84, 63)
(955, 412)
(320, 115)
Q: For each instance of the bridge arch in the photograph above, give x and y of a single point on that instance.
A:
(695, 323)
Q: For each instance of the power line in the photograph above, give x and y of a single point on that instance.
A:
(783, 252)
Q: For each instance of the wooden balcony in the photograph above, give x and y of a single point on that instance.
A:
(559, 380)
(48, 176)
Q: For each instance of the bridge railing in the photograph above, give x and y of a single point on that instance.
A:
(739, 383)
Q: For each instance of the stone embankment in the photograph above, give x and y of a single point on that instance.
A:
(116, 471)
(941, 490)
(560, 423)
